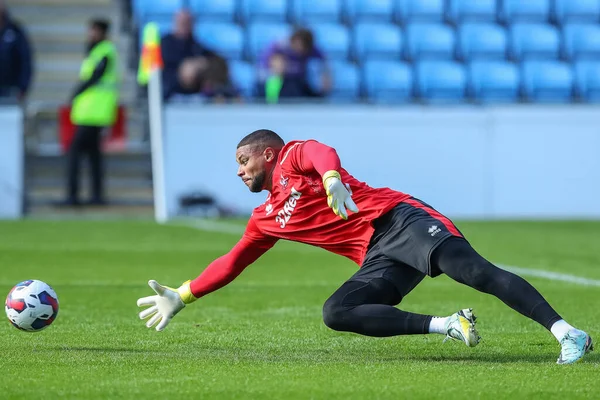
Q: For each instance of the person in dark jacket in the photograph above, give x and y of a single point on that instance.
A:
(176, 47)
(15, 57)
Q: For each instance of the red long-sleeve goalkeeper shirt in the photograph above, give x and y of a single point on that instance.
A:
(296, 209)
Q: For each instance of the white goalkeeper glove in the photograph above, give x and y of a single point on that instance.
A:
(339, 196)
(165, 304)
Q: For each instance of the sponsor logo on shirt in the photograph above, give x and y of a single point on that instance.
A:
(284, 215)
(269, 209)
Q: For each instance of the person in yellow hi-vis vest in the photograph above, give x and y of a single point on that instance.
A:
(94, 107)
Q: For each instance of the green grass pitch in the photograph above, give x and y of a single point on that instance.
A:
(262, 336)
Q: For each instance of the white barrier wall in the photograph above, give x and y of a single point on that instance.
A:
(512, 162)
(11, 162)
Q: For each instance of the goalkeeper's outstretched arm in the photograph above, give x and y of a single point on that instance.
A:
(168, 301)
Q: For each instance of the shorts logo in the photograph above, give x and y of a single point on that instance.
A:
(283, 216)
(434, 230)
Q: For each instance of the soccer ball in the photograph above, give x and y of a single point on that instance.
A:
(31, 306)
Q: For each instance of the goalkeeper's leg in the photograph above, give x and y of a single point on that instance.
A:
(456, 258)
(368, 308)
(365, 305)
(461, 262)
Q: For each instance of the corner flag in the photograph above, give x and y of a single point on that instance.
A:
(151, 57)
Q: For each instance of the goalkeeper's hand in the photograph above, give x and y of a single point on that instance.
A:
(339, 196)
(165, 304)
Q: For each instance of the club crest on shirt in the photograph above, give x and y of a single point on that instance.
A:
(284, 181)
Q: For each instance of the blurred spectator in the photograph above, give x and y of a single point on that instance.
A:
(208, 78)
(216, 81)
(94, 107)
(176, 47)
(15, 57)
(293, 56)
(278, 84)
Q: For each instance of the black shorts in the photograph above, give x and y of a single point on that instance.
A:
(401, 246)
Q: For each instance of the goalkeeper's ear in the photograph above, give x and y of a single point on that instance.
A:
(270, 154)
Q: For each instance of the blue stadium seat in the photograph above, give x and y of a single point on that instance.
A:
(264, 10)
(547, 81)
(377, 41)
(587, 80)
(332, 39)
(534, 41)
(429, 41)
(481, 40)
(314, 71)
(525, 10)
(224, 38)
(472, 10)
(576, 11)
(494, 81)
(420, 11)
(142, 9)
(243, 77)
(581, 41)
(388, 81)
(369, 10)
(345, 80)
(213, 10)
(262, 34)
(441, 81)
(316, 11)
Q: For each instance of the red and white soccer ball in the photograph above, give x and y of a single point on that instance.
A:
(31, 305)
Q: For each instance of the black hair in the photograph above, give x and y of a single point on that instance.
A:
(262, 138)
(305, 36)
(102, 25)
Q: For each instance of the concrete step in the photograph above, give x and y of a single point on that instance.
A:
(59, 64)
(117, 160)
(128, 179)
(123, 184)
(134, 172)
(57, 76)
(51, 13)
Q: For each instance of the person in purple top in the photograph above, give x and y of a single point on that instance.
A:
(298, 51)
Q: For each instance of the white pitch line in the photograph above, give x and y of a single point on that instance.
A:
(225, 227)
(553, 276)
